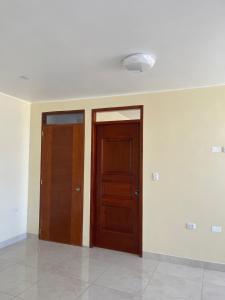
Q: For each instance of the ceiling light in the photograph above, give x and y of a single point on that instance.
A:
(139, 62)
(24, 77)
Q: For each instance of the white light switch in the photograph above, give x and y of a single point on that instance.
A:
(155, 176)
(191, 226)
(216, 228)
(216, 149)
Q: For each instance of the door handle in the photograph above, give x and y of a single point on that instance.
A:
(137, 193)
(77, 189)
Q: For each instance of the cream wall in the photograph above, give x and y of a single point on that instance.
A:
(14, 147)
(179, 129)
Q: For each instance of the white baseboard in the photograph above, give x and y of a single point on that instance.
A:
(156, 256)
(32, 236)
(186, 261)
(13, 240)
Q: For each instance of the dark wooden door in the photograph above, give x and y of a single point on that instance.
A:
(61, 209)
(117, 205)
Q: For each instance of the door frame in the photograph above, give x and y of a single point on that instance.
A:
(94, 164)
(43, 121)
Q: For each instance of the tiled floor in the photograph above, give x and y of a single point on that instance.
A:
(33, 270)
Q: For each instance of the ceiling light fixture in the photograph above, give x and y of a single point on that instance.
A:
(24, 77)
(139, 62)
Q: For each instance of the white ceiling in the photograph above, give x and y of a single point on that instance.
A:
(73, 48)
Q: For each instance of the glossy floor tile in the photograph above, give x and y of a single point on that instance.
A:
(164, 286)
(53, 287)
(214, 277)
(86, 269)
(97, 292)
(213, 292)
(182, 271)
(124, 279)
(5, 297)
(38, 270)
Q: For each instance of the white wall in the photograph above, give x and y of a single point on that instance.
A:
(14, 153)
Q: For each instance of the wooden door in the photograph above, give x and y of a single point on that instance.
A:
(61, 209)
(117, 187)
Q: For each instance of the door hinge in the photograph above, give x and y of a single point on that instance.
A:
(40, 231)
(42, 133)
(41, 181)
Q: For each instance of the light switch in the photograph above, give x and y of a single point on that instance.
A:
(155, 176)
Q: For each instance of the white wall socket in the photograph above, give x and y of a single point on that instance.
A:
(191, 226)
(216, 149)
(216, 228)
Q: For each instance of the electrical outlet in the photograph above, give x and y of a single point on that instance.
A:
(191, 226)
(216, 228)
(216, 149)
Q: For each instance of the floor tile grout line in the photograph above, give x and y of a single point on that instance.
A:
(8, 267)
(94, 281)
(113, 289)
(82, 293)
(203, 278)
(130, 294)
(127, 264)
(6, 294)
(25, 290)
(90, 284)
(150, 278)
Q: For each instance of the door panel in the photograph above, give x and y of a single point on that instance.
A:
(61, 183)
(117, 207)
(61, 207)
(120, 151)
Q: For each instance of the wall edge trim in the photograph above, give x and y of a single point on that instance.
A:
(32, 236)
(216, 266)
(13, 240)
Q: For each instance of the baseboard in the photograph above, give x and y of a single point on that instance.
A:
(12, 241)
(186, 261)
(160, 257)
(32, 236)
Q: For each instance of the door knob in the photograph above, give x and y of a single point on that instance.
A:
(77, 189)
(136, 193)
